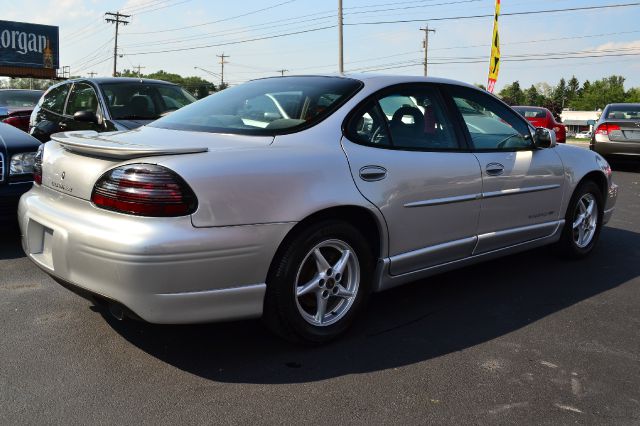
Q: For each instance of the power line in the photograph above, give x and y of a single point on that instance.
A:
(530, 12)
(217, 21)
(232, 42)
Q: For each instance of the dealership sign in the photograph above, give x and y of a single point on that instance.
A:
(28, 45)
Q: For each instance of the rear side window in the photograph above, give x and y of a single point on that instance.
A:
(410, 118)
(53, 100)
(531, 112)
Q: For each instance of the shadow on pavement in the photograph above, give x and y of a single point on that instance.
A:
(410, 324)
(625, 165)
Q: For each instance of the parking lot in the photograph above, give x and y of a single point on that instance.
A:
(528, 338)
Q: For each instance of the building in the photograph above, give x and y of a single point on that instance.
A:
(579, 121)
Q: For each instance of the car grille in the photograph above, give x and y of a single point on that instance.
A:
(1, 167)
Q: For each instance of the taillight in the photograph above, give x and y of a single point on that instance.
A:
(14, 121)
(144, 190)
(606, 128)
(37, 165)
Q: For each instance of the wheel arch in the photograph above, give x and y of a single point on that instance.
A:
(371, 226)
(599, 179)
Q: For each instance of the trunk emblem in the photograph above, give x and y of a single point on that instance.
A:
(637, 123)
(62, 175)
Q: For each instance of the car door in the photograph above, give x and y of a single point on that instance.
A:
(522, 186)
(48, 114)
(83, 97)
(408, 159)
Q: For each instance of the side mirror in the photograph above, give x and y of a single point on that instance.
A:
(544, 138)
(86, 116)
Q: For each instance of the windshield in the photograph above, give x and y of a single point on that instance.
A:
(19, 98)
(143, 101)
(264, 107)
(624, 112)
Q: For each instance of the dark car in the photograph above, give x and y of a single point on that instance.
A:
(104, 105)
(16, 106)
(542, 117)
(17, 159)
(617, 132)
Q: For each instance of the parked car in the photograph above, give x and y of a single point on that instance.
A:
(583, 135)
(618, 131)
(203, 215)
(542, 117)
(17, 156)
(104, 104)
(16, 106)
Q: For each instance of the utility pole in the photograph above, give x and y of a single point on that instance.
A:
(340, 44)
(139, 67)
(425, 44)
(91, 74)
(222, 62)
(116, 18)
(282, 72)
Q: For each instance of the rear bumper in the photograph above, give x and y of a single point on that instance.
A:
(616, 148)
(162, 269)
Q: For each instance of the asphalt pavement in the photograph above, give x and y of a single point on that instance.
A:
(527, 339)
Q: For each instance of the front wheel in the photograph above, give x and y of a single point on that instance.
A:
(583, 221)
(318, 283)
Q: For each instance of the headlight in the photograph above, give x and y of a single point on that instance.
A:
(22, 164)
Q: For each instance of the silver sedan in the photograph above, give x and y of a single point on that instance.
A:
(294, 198)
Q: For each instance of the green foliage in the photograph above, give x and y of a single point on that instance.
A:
(589, 97)
(26, 83)
(512, 94)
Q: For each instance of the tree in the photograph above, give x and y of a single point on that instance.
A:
(633, 95)
(532, 97)
(480, 86)
(598, 94)
(26, 83)
(560, 93)
(512, 94)
(572, 88)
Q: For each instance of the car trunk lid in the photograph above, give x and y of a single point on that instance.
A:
(74, 161)
(629, 130)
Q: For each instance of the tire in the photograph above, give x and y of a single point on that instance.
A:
(571, 244)
(300, 283)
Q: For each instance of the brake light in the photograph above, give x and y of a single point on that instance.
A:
(14, 121)
(37, 166)
(144, 190)
(606, 128)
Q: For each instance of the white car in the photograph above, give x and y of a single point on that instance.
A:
(583, 135)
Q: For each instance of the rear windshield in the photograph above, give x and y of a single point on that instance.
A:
(264, 107)
(531, 112)
(143, 101)
(19, 98)
(624, 112)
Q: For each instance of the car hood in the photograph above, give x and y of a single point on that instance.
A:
(13, 140)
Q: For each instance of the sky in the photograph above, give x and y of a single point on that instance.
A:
(301, 36)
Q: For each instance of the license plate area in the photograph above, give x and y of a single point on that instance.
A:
(39, 243)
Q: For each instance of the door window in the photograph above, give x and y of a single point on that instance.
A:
(82, 98)
(411, 118)
(491, 125)
(53, 100)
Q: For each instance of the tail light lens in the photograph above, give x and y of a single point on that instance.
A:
(37, 166)
(605, 128)
(144, 190)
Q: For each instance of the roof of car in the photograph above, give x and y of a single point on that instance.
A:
(101, 80)
(21, 90)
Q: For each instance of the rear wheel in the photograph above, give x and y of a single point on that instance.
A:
(583, 221)
(318, 283)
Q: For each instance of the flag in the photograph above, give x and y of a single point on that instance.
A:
(494, 63)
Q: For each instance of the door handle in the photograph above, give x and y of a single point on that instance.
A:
(373, 173)
(494, 169)
(62, 125)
